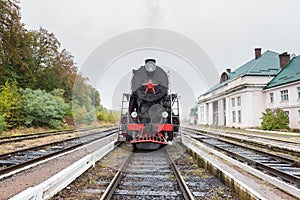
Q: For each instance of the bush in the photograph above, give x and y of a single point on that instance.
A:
(274, 120)
(44, 109)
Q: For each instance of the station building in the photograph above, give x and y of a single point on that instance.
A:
(269, 80)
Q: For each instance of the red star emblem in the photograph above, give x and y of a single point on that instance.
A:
(150, 86)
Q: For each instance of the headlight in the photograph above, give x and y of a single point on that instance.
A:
(150, 66)
(165, 114)
(134, 114)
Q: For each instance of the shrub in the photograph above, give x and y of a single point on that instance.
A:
(274, 120)
(44, 109)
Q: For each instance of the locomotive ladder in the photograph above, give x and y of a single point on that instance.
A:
(124, 116)
(175, 109)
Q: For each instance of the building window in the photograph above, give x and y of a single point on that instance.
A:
(238, 101)
(239, 116)
(284, 95)
(287, 113)
(233, 102)
(272, 97)
(298, 89)
(233, 116)
(201, 114)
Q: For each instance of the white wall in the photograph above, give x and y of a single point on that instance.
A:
(210, 114)
(203, 120)
(292, 105)
(252, 105)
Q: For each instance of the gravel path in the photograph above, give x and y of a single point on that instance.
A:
(38, 174)
(10, 147)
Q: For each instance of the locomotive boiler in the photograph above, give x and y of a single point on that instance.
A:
(150, 113)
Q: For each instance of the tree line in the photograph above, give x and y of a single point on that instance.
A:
(37, 77)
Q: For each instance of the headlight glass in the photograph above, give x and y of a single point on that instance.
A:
(165, 114)
(150, 66)
(134, 114)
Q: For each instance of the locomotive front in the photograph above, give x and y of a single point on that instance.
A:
(150, 114)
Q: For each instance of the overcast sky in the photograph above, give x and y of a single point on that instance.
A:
(228, 31)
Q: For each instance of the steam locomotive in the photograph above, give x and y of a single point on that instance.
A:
(150, 113)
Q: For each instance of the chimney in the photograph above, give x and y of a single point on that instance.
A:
(284, 59)
(228, 70)
(257, 52)
(150, 60)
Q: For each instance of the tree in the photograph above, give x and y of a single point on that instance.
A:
(66, 70)
(44, 49)
(274, 120)
(11, 106)
(32, 60)
(11, 34)
(2, 123)
(111, 116)
(84, 101)
(101, 113)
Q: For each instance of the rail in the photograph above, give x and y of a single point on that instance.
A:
(16, 160)
(283, 167)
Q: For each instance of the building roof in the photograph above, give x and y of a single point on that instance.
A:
(194, 110)
(265, 65)
(290, 73)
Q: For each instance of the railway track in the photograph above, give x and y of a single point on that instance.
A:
(148, 175)
(282, 167)
(23, 137)
(19, 159)
(274, 144)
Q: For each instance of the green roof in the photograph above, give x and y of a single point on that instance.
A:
(265, 65)
(194, 110)
(290, 73)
